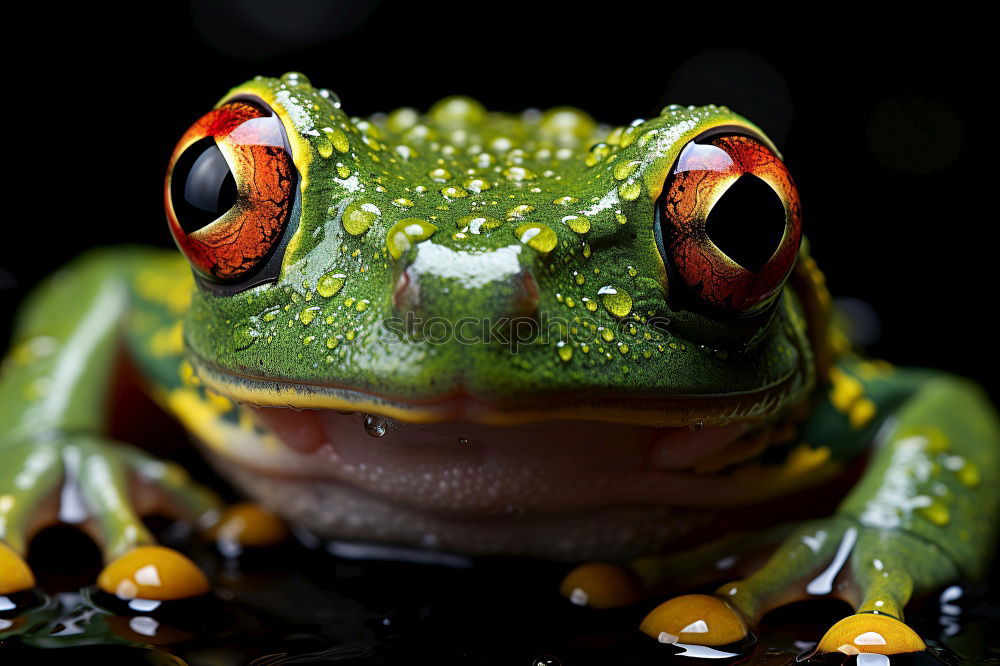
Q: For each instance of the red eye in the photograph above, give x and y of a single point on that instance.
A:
(229, 190)
(730, 223)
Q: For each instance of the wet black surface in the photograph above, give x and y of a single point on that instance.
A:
(302, 605)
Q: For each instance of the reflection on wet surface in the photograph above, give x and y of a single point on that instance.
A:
(297, 604)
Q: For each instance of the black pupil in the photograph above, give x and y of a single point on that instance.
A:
(202, 187)
(748, 222)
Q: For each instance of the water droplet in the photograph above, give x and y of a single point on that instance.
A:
(295, 79)
(405, 233)
(617, 301)
(625, 169)
(358, 217)
(457, 112)
(537, 236)
(580, 225)
(519, 212)
(477, 185)
(337, 138)
(477, 224)
(307, 315)
(330, 96)
(518, 173)
(454, 192)
(630, 190)
(331, 283)
(375, 425)
(439, 175)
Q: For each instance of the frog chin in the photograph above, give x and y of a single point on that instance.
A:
(556, 489)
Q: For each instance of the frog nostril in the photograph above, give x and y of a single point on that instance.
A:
(406, 295)
(526, 297)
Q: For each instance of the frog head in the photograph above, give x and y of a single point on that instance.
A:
(464, 266)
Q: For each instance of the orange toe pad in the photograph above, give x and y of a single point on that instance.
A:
(153, 572)
(250, 525)
(876, 633)
(696, 619)
(601, 585)
(15, 576)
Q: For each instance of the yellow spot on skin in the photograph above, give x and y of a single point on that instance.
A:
(875, 633)
(565, 351)
(804, 459)
(188, 377)
(219, 403)
(697, 619)
(168, 341)
(968, 475)
(15, 576)
(845, 390)
(171, 289)
(600, 585)
(250, 525)
(153, 572)
(861, 413)
(937, 513)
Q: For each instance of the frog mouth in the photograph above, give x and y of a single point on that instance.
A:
(755, 406)
(467, 469)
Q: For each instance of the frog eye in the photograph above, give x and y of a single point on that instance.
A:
(230, 189)
(728, 224)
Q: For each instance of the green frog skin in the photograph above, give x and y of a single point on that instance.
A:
(493, 333)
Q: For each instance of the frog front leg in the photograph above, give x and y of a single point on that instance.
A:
(55, 461)
(921, 517)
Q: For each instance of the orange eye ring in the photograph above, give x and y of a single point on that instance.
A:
(730, 224)
(229, 190)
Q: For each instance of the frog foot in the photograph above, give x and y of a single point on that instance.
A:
(15, 575)
(153, 572)
(246, 525)
(103, 487)
(873, 570)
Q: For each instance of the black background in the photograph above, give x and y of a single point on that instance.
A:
(878, 117)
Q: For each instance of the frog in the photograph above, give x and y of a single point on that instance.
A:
(494, 333)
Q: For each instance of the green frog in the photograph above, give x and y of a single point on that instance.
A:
(508, 334)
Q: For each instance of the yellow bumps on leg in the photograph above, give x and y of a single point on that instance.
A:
(248, 524)
(871, 632)
(601, 585)
(15, 576)
(696, 619)
(153, 572)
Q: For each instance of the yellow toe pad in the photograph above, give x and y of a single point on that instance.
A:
(249, 525)
(696, 619)
(871, 632)
(153, 572)
(601, 585)
(15, 576)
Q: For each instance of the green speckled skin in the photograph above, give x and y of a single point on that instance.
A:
(927, 504)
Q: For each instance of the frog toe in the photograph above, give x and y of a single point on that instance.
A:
(246, 525)
(153, 572)
(601, 585)
(15, 574)
(696, 619)
(874, 633)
